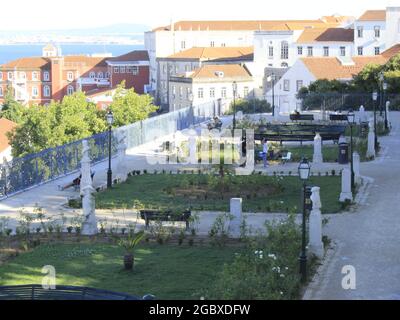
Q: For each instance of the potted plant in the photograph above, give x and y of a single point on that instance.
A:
(129, 244)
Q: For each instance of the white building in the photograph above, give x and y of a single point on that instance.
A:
(309, 69)
(185, 62)
(168, 40)
(5, 148)
(210, 82)
(376, 31)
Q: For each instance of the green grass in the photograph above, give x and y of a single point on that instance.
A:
(168, 272)
(157, 192)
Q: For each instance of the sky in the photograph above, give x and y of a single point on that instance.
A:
(53, 14)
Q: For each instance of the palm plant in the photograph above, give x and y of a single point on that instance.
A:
(129, 244)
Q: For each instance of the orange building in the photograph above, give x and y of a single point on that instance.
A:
(38, 80)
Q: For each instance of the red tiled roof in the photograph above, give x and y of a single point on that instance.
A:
(138, 55)
(5, 126)
(228, 70)
(391, 52)
(211, 53)
(27, 63)
(373, 15)
(326, 35)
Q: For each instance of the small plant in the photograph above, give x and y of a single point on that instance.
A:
(130, 245)
(69, 229)
(181, 237)
(220, 230)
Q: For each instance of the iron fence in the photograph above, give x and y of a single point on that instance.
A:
(24, 173)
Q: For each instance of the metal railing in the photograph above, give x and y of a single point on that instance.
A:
(21, 174)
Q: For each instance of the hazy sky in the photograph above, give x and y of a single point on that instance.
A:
(51, 14)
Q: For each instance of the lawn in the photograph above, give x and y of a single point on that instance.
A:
(168, 272)
(208, 193)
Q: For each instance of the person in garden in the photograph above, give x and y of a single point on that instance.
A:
(265, 152)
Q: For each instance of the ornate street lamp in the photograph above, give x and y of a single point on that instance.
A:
(304, 174)
(351, 118)
(234, 88)
(375, 98)
(110, 121)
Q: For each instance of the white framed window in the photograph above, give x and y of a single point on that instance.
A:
(35, 92)
(300, 50)
(181, 92)
(270, 52)
(245, 91)
(188, 91)
(35, 76)
(183, 45)
(46, 76)
(70, 76)
(299, 85)
(326, 51)
(164, 69)
(360, 51)
(360, 32)
(212, 44)
(284, 50)
(223, 92)
(135, 70)
(100, 75)
(342, 51)
(377, 51)
(107, 75)
(377, 31)
(1, 92)
(116, 69)
(310, 51)
(70, 90)
(187, 68)
(286, 85)
(121, 69)
(173, 90)
(212, 92)
(9, 75)
(22, 75)
(200, 93)
(92, 75)
(46, 91)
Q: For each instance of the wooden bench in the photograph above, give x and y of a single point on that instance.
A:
(154, 215)
(338, 117)
(213, 125)
(301, 117)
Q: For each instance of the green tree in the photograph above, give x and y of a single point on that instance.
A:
(12, 109)
(129, 107)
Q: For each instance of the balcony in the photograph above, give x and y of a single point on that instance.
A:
(100, 82)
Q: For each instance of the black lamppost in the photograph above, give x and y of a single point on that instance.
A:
(234, 88)
(304, 174)
(110, 121)
(375, 98)
(385, 86)
(351, 118)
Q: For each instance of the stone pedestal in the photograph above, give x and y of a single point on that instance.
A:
(317, 158)
(356, 167)
(346, 193)
(371, 140)
(362, 115)
(193, 148)
(316, 245)
(86, 176)
(388, 112)
(121, 168)
(239, 116)
(236, 212)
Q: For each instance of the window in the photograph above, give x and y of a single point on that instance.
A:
(183, 44)
(326, 51)
(100, 75)
(1, 75)
(342, 51)
(181, 92)
(300, 51)
(107, 75)
(377, 31)
(129, 70)
(245, 91)
(223, 44)
(284, 65)
(70, 90)
(187, 68)
(174, 90)
(360, 32)
(121, 69)
(35, 92)
(10, 76)
(223, 92)
(212, 44)
(70, 76)
(46, 91)
(135, 70)
(286, 85)
(310, 51)
(284, 50)
(299, 85)
(270, 52)
(176, 69)
(187, 93)
(116, 70)
(22, 75)
(1, 92)
(46, 76)
(200, 93)
(212, 92)
(360, 51)
(377, 51)
(164, 69)
(92, 75)
(35, 76)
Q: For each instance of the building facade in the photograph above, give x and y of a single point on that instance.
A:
(39, 80)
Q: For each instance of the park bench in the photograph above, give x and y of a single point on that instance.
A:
(301, 117)
(338, 117)
(167, 216)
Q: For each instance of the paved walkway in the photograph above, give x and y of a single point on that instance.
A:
(369, 238)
